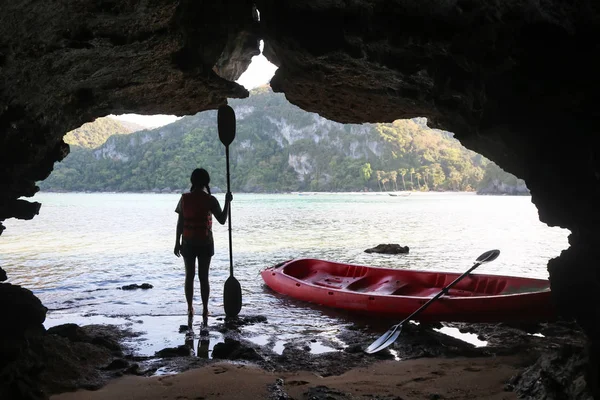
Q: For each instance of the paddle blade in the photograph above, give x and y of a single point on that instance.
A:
(226, 124)
(385, 340)
(488, 256)
(232, 297)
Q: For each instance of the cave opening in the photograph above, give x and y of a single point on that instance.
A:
(484, 216)
(486, 72)
(107, 236)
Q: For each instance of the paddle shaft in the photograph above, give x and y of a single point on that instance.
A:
(229, 213)
(440, 294)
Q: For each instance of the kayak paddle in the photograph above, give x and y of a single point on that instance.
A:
(392, 334)
(232, 293)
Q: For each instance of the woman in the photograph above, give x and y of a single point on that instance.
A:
(194, 238)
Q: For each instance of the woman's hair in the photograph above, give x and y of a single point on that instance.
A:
(200, 179)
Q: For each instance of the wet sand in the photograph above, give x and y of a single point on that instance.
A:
(425, 378)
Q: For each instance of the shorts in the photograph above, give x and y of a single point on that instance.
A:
(190, 250)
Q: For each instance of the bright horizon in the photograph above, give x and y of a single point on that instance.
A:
(259, 72)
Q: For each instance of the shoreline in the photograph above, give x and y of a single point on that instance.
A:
(423, 363)
(399, 193)
(431, 378)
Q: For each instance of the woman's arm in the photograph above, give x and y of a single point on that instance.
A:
(178, 230)
(221, 215)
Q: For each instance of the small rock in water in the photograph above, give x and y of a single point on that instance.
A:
(182, 350)
(136, 286)
(234, 350)
(390, 248)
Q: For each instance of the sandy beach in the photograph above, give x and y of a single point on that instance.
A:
(427, 378)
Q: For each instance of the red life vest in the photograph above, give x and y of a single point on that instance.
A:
(197, 217)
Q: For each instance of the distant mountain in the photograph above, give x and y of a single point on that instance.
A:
(132, 126)
(94, 134)
(278, 147)
(497, 181)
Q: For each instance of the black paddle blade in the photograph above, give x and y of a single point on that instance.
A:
(488, 256)
(232, 297)
(226, 124)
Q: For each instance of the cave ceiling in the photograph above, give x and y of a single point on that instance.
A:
(515, 80)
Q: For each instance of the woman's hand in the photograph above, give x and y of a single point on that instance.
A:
(177, 249)
(228, 196)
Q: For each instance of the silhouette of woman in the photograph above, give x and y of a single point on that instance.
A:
(194, 238)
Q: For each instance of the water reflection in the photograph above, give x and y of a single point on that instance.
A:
(200, 344)
(203, 344)
(203, 347)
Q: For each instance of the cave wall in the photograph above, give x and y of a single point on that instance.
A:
(64, 63)
(514, 79)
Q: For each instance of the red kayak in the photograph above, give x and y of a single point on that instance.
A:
(396, 293)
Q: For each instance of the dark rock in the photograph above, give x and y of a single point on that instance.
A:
(133, 369)
(254, 319)
(277, 391)
(234, 350)
(119, 363)
(72, 332)
(134, 286)
(3, 276)
(75, 333)
(51, 363)
(178, 351)
(391, 248)
(239, 321)
(355, 348)
(557, 374)
(22, 313)
(108, 343)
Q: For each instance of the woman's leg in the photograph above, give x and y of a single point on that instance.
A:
(190, 272)
(203, 266)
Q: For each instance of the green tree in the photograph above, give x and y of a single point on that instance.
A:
(403, 172)
(366, 171)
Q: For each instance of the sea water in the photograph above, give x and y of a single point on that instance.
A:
(83, 247)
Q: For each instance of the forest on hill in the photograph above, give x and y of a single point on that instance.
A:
(278, 148)
(94, 134)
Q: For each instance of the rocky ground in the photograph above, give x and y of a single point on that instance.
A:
(548, 360)
(69, 357)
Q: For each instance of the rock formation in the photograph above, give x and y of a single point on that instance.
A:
(514, 80)
(388, 248)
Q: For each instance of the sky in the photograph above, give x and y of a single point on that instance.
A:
(258, 73)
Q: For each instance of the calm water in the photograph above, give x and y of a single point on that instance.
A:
(82, 248)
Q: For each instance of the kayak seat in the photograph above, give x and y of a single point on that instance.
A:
(379, 285)
(330, 281)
